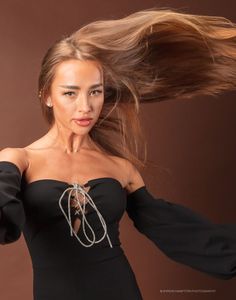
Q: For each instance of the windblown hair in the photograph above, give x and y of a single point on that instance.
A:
(151, 55)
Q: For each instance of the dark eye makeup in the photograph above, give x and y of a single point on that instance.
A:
(94, 92)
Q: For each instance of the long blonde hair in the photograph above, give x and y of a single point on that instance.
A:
(151, 55)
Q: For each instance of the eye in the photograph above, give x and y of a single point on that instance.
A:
(96, 92)
(69, 93)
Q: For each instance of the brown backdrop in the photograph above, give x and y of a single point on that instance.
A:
(193, 141)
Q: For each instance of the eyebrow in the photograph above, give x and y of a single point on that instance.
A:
(76, 87)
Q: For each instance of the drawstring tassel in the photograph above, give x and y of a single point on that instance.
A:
(78, 189)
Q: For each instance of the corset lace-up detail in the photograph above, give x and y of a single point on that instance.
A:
(74, 200)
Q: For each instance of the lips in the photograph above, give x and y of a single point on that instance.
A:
(83, 119)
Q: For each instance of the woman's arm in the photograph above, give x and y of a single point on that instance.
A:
(135, 179)
(17, 156)
(182, 234)
(12, 215)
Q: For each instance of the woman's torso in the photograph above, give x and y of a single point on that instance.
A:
(48, 175)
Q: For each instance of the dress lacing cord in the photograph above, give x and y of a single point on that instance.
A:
(81, 210)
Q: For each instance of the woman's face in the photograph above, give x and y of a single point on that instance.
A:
(77, 92)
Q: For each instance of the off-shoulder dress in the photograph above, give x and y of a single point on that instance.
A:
(66, 267)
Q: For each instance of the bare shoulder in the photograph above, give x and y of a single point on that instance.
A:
(133, 177)
(17, 156)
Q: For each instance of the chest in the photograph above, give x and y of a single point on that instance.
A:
(80, 168)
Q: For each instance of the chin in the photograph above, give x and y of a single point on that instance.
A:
(81, 130)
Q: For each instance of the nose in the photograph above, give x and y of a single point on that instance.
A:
(83, 103)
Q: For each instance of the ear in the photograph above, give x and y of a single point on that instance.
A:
(48, 101)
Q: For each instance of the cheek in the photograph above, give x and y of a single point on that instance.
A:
(98, 108)
(62, 110)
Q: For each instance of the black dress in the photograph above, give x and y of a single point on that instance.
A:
(64, 268)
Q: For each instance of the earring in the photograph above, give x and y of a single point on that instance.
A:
(49, 104)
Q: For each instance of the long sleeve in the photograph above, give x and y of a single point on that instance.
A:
(184, 235)
(12, 215)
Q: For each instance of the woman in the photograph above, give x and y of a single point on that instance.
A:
(68, 190)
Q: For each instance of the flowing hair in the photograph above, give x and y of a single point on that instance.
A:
(148, 56)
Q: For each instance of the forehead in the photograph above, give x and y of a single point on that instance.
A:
(78, 71)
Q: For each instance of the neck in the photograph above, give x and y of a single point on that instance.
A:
(68, 141)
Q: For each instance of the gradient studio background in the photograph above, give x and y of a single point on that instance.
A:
(193, 141)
